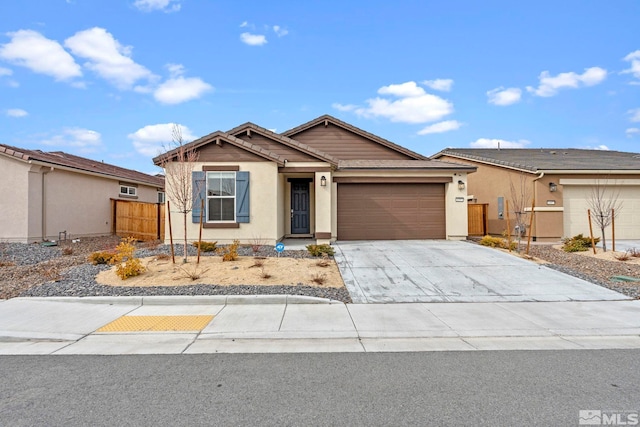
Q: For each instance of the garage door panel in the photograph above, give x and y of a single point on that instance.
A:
(576, 204)
(391, 211)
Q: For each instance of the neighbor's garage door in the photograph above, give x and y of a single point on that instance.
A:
(575, 200)
(390, 211)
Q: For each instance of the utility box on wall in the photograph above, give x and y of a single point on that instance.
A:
(500, 207)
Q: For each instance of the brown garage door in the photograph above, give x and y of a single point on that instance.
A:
(390, 211)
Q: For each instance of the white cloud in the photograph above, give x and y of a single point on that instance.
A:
(85, 140)
(341, 107)
(635, 115)
(549, 85)
(180, 89)
(413, 106)
(439, 84)
(152, 140)
(244, 24)
(107, 57)
(498, 143)
(441, 127)
(601, 147)
(280, 32)
(634, 59)
(632, 131)
(253, 39)
(16, 112)
(5, 72)
(166, 6)
(501, 96)
(32, 50)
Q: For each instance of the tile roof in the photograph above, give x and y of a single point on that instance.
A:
(355, 130)
(59, 158)
(548, 159)
(307, 149)
(403, 164)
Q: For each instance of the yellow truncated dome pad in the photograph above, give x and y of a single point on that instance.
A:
(157, 323)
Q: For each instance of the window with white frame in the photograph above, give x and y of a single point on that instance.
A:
(127, 190)
(221, 196)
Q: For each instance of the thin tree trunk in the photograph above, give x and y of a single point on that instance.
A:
(184, 261)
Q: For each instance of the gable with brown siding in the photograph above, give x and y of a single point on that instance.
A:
(346, 145)
(275, 147)
(226, 153)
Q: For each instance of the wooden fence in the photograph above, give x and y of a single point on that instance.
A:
(141, 220)
(477, 218)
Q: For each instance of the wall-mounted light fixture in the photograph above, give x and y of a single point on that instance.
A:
(460, 185)
(553, 187)
(323, 181)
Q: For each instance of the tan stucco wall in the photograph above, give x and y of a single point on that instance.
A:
(264, 195)
(73, 202)
(323, 205)
(14, 196)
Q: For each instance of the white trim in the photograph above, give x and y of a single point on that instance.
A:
(591, 172)
(605, 182)
(545, 209)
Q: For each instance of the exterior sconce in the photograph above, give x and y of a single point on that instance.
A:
(553, 187)
(460, 185)
(323, 181)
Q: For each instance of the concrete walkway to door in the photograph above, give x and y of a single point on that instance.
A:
(453, 271)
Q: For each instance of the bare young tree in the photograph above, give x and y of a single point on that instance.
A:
(178, 164)
(520, 200)
(605, 206)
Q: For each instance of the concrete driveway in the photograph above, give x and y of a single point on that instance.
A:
(453, 271)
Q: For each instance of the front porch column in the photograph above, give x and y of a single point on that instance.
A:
(323, 207)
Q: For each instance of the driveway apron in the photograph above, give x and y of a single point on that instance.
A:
(453, 271)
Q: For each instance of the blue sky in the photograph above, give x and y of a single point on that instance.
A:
(105, 79)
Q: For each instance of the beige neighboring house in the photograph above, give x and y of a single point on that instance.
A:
(562, 181)
(326, 180)
(47, 193)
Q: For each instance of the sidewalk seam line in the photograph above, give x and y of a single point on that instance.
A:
(356, 329)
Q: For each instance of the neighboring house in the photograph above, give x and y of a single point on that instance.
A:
(326, 180)
(562, 181)
(47, 193)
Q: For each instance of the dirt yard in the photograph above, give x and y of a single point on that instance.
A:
(269, 271)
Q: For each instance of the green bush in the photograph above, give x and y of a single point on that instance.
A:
(497, 242)
(578, 243)
(206, 246)
(318, 250)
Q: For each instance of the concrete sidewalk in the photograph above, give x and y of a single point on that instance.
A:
(265, 324)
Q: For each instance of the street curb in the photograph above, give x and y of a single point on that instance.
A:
(189, 300)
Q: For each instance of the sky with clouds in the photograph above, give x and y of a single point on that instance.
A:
(106, 79)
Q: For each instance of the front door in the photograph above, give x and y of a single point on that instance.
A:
(300, 207)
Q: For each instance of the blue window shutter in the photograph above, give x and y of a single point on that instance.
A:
(242, 197)
(199, 191)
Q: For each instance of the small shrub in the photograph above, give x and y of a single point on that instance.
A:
(634, 252)
(324, 262)
(101, 257)
(67, 251)
(578, 243)
(193, 274)
(127, 265)
(319, 278)
(230, 252)
(163, 257)
(264, 274)
(206, 246)
(318, 250)
(497, 242)
(257, 243)
(625, 256)
(52, 273)
(257, 262)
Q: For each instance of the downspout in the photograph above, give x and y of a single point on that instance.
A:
(534, 191)
(44, 204)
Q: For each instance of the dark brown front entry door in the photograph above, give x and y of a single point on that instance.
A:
(300, 207)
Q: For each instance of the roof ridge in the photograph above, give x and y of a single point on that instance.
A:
(356, 130)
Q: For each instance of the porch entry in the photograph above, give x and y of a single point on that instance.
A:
(300, 206)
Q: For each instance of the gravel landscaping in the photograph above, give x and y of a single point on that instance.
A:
(34, 270)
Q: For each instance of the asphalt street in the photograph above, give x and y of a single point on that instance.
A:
(437, 388)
